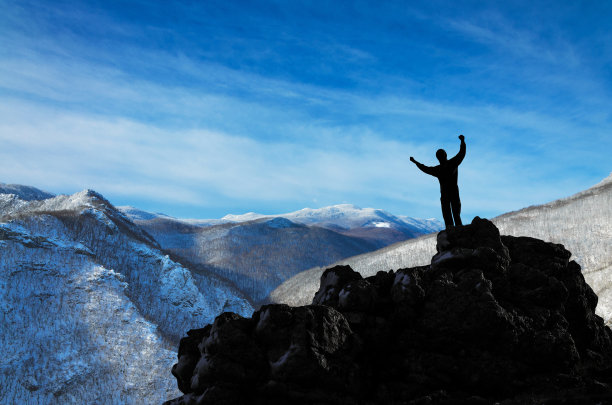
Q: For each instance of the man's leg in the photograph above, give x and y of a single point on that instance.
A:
(455, 203)
(446, 212)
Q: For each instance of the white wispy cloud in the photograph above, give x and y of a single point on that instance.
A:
(66, 151)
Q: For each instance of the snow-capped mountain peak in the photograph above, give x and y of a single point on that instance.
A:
(339, 217)
(347, 217)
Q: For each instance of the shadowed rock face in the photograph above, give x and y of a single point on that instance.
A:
(492, 319)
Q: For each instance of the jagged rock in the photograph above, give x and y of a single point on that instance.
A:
(332, 281)
(274, 353)
(494, 319)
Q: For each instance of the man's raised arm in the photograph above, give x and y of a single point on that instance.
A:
(425, 169)
(458, 158)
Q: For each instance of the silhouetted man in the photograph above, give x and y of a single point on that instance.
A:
(446, 172)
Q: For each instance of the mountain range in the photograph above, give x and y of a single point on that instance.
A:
(258, 252)
(94, 299)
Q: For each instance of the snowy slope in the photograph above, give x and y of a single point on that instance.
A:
(90, 308)
(582, 222)
(25, 193)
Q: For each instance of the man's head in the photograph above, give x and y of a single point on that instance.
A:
(441, 155)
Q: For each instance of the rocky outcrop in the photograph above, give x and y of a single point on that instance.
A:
(493, 319)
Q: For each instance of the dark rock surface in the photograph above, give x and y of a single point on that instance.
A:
(493, 319)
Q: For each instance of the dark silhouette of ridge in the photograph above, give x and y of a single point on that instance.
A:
(493, 319)
(447, 173)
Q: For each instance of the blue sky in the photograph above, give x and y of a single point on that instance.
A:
(199, 109)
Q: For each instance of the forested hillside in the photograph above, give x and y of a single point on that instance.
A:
(91, 309)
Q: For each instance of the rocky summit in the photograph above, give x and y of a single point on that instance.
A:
(493, 319)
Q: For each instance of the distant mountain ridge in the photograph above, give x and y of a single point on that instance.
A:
(339, 217)
(25, 193)
(347, 217)
(258, 252)
(136, 214)
(581, 222)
